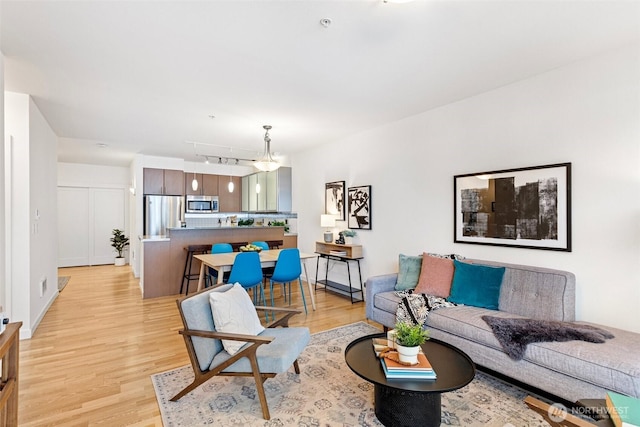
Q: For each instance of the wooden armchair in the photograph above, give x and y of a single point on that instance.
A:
(264, 356)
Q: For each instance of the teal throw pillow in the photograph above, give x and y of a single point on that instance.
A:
(408, 272)
(476, 285)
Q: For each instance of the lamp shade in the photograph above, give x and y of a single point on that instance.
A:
(327, 221)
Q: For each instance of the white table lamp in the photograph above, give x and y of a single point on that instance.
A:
(328, 221)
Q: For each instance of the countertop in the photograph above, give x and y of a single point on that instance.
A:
(146, 238)
(219, 227)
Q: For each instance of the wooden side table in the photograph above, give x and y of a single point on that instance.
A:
(342, 253)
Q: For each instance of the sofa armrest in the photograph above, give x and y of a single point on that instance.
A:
(376, 284)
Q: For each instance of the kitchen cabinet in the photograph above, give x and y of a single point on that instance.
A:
(207, 184)
(230, 202)
(245, 194)
(163, 182)
(274, 194)
(261, 191)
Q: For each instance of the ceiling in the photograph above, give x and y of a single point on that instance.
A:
(145, 76)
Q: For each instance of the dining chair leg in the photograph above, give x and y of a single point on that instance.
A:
(304, 301)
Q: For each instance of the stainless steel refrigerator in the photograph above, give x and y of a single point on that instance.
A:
(162, 212)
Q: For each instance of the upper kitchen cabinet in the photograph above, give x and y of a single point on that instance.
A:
(207, 184)
(267, 191)
(230, 201)
(163, 181)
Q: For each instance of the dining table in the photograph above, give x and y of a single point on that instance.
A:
(268, 258)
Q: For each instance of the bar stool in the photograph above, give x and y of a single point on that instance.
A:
(187, 274)
(275, 244)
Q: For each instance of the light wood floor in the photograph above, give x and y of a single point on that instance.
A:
(90, 360)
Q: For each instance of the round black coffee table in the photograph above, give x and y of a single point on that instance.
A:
(400, 402)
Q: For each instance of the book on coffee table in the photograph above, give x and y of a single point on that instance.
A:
(394, 369)
(623, 410)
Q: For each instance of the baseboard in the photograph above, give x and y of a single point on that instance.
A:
(27, 333)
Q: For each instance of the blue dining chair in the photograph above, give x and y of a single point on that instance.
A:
(219, 248)
(286, 271)
(266, 271)
(247, 271)
(263, 245)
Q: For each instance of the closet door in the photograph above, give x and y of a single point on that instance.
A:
(108, 212)
(86, 218)
(73, 226)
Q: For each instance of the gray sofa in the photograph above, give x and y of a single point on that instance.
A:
(571, 370)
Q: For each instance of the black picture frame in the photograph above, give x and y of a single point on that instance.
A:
(334, 199)
(359, 207)
(525, 207)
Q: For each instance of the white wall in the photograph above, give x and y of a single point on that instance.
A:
(587, 113)
(32, 211)
(3, 270)
(43, 148)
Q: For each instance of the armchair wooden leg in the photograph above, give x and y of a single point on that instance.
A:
(260, 386)
(296, 367)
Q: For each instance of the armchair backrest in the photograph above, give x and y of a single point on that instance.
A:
(196, 315)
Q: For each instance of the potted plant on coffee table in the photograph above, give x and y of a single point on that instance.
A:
(119, 241)
(409, 338)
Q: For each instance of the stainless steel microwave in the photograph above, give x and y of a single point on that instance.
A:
(202, 204)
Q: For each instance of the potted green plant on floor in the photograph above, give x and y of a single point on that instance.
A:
(119, 241)
(409, 338)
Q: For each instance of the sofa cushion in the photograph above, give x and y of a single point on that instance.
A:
(614, 365)
(436, 276)
(476, 285)
(386, 301)
(408, 272)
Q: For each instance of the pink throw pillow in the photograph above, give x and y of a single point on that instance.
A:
(435, 277)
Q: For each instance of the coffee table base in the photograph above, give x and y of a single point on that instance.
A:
(399, 408)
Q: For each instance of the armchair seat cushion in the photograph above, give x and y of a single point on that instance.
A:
(275, 357)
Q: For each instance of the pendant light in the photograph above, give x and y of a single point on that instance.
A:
(194, 183)
(267, 164)
(231, 185)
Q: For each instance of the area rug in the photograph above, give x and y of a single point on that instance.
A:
(62, 282)
(327, 393)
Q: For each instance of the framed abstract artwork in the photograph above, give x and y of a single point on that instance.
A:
(359, 207)
(334, 199)
(526, 207)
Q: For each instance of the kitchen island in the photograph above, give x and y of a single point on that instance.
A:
(163, 257)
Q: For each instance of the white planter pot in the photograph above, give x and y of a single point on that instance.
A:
(348, 240)
(408, 354)
(120, 262)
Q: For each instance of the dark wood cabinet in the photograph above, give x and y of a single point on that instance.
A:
(230, 202)
(173, 182)
(163, 182)
(207, 184)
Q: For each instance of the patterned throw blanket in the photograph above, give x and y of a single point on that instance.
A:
(515, 334)
(414, 308)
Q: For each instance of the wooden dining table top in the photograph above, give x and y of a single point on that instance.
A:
(227, 259)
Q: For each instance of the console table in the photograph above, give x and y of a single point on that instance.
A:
(342, 253)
